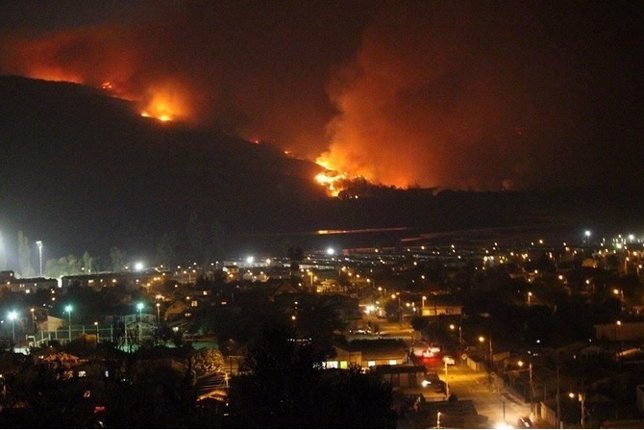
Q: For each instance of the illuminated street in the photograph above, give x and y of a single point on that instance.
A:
(468, 384)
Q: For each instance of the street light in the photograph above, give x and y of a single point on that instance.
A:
(139, 308)
(581, 398)
(482, 339)
(97, 335)
(39, 245)
(587, 233)
(33, 319)
(529, 297)
(460, 333)
(620, 293)
(394, 297)
(520, 363)
(68, 309)
(12, 315)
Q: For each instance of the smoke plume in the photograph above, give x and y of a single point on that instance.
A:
(453, 94)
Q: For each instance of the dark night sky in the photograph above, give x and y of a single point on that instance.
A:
(481, 95)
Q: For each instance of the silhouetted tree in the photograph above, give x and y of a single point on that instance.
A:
(24, 256)
(118, 259)
(166, 250)
(287, 388)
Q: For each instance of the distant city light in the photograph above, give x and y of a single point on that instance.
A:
(330, 251)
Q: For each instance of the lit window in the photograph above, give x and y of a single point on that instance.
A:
(331, 364)
(392, 362)
(82, 373)
(371, 363)
(344, 365)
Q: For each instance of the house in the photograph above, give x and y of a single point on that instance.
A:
(402, 376)
(367, 353)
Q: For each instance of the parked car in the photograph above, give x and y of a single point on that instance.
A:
(449, 360)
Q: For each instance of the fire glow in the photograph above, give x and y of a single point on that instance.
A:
(330, 179)
(165, 104)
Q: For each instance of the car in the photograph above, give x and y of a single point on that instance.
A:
(435, 385)
(449, 360)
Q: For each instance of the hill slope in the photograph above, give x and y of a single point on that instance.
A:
(83, 171)
(83, 168)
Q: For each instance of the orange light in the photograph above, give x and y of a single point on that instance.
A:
(330, 179)
(165, 103)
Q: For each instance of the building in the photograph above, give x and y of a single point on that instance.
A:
(28, 285)
(368, 353)
(130, 280)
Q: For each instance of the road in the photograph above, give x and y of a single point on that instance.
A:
(468, 384)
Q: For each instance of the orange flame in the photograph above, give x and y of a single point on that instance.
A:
(165, 103)
(330, 179)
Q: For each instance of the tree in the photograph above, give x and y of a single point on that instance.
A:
(89, 263)
(195, 233)
(24, 256)
(118, 259)
(296, 255)
(208, 361)
(287, 388)
(63, 266)
(166, 250)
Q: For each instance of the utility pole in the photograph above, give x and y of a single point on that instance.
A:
(582, 401)
(559, 422)
(531, 389)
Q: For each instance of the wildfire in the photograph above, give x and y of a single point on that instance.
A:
(166, 103)
(330, 179)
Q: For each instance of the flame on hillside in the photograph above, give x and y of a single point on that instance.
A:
(165, 103)
(330, 179)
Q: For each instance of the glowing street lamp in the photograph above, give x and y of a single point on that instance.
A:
(68, 309)
(97, 334)
(13, 315)
(619, 292)
(394, 297)
(139, 308)
(460, 333)
(581, 397)
(482, 339)
(587, 233)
